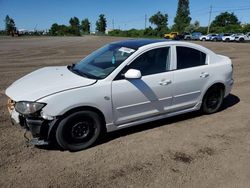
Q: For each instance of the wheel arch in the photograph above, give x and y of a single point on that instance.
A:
(53, 128)
(216, 84)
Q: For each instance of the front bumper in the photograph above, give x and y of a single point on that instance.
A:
(40, 128)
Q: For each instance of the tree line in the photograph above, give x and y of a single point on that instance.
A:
(76, 28)
(225, 22)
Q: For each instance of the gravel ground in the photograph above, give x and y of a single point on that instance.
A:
(190, 150)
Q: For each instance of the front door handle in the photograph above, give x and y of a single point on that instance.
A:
(204, 75)
(165, 82)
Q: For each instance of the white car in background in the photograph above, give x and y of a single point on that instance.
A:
(207, 37)
(242, 37)
(120, 85)
(229, 38)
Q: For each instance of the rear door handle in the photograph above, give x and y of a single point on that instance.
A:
(165, 82)
(204, 75)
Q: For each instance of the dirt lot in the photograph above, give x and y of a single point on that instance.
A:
(186, 151)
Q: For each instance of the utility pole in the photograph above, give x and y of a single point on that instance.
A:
(209, 20)
(146, 21)
(91, 28)
(113, 23)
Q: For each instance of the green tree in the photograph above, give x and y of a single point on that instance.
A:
(74, 28)
(59, 30)
(9, 25)
(101, 24)
(161, 22)
(54, 29)
(193, 27)
(225, 19)
(196, 24)
(149, 32)
(246, 28)
(182, 18)
(85, 26)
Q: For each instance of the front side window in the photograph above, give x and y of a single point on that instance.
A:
(189, 57)
(152, 62)
(102, 62)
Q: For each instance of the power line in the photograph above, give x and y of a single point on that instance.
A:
(242, 6)
(229, 10)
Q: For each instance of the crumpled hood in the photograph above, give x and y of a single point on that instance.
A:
(44, 82)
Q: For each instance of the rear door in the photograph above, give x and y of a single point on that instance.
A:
(190, 77)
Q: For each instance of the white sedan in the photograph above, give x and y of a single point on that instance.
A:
(229, 38)
(120, 85)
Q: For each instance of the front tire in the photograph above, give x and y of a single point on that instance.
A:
(212, 100)
(79, 130)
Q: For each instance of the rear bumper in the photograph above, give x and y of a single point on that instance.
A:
(229, 86)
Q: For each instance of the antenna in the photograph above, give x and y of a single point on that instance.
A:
(146, 21)
(209, 20)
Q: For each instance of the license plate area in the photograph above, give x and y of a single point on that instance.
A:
(10, 105)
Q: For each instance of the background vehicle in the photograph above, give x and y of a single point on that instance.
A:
(196, 36)
(139, 80)
(186, 36)
(172, 35)
(243, 38)
(207, 37)
(218, 37)
(229, 38)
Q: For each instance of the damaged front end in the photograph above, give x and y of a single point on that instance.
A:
(31, 118)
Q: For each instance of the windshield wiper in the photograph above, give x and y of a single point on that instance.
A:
(71, 66)
(80, 73)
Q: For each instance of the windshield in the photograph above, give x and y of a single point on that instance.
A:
(102, 62)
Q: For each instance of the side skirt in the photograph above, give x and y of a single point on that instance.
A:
(112, 127)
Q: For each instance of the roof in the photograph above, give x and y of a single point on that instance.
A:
(137, 43)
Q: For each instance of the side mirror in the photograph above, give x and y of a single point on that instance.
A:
(133, 74)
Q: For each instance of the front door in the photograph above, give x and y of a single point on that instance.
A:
(134, 99)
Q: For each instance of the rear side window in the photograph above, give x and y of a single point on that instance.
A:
(189, 57)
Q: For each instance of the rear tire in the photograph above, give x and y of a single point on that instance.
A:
(212, 100)
(79, 130)
(241, 40)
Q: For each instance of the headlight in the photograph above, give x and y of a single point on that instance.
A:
(26, 108)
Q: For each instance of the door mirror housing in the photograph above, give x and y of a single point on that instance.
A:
(132, 74)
